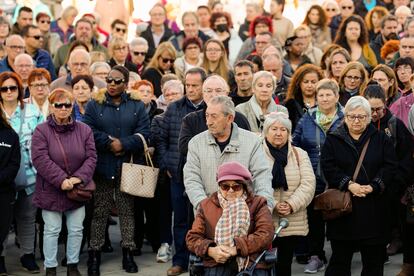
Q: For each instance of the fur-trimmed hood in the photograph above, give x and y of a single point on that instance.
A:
(100, 96)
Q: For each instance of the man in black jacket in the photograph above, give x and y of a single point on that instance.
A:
(389, 25)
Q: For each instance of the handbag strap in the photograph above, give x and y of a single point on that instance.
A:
(148, 158)
(65, 158)
(361, 158)
(22, 118)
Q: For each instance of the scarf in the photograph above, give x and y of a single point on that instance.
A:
(278, 170)
(324, 121)
(234, 222)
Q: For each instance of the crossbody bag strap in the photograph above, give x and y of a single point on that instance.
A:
(65, 158)
(361, 158)
(22, 118)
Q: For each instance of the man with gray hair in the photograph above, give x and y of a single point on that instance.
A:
(14, 46)
(78, 63)
(23, 65)
(224, 141)
(274, 64)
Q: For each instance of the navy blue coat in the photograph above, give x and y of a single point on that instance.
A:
(305, 138)
(119, 121)
(170, 132)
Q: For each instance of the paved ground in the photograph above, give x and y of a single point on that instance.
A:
(111, 262)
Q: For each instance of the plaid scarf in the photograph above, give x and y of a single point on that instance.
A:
(234, 222)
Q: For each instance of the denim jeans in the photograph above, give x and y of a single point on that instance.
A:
(53, 225)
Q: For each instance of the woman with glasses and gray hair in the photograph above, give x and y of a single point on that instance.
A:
(293, 183)
(367, 227)
(261, 103)
(310, 135)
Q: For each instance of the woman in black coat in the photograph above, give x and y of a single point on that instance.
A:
(366, 228)
(9, 166)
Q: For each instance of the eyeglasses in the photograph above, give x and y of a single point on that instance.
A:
(37, 37)
(116, 81)
(45, 21)
(377, 109)
(235, 187)
(347, 7)
(61, 105)
(405, 68)
(12, 88)
(120, 30)
(16, 47)
(354, 117)
(353, 78)
(39, 85)
(166, 60)
(139, 53)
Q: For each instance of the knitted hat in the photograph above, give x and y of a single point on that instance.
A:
(232, 171)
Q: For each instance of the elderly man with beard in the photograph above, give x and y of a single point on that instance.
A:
(389, 26)
(84, 33)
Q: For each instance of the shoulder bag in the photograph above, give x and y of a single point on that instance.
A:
(139, 180)
(334, 203)
(81, 192)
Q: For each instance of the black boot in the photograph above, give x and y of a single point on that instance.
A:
(3, 270)
(50, 271)
(72, 270)
(94, 261)
(128, 263)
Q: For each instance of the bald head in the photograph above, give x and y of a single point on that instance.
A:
(79, 62)
(274, 65)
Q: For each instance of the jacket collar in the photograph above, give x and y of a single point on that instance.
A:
(342, 133)
(234, 143)
(102, 96)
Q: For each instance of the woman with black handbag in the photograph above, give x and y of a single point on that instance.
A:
(64, 175)
(366, 228)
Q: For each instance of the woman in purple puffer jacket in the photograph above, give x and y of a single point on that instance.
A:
(60, 138)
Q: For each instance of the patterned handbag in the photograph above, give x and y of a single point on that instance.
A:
(139, 180)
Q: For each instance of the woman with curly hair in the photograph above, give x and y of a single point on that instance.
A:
(316, 20)
(373, 21)
(353, 36)
(301, 92)
(353, 79)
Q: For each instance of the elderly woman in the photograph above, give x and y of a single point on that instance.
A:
(82, 87)
(233, 205)
(114, 116)
(145, 91)
(310, 135)
(23, 118)
(294, 185)
(138, 49)
(353, 77)
(192, 47)
(366, 228)
(60, 168)
(172, 90)
(262, 103)
(118, 51)
(100, 70)
(39, 87)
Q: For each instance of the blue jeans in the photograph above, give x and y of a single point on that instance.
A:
(53, 225)
(180, 227)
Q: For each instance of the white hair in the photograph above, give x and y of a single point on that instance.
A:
(277, 117)
(173, 84)
(358, 102)
(263, 74)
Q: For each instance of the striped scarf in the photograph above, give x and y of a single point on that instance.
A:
(234, 222)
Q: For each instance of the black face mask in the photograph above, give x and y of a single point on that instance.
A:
(222, 28)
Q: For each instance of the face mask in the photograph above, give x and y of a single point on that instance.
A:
(222, 28)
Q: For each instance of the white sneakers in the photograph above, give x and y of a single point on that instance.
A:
(164, 254)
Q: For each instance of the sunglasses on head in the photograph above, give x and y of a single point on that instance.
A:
(61, 105)
(120, 30)
(12, 88)
(166, 60)
(139, 53)
(235, 187)
(116, 81)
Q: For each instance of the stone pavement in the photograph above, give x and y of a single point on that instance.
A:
(111, 262)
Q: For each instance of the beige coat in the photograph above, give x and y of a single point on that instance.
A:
(301, 188)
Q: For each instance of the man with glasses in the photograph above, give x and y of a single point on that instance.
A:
(157, 30)
(84, 33)
(23, 66)
(33, 39)
(78, 64)
(24, 18)
(347, 8)
(138, 48)
(118, 29)
(14, 46)
(51, 41)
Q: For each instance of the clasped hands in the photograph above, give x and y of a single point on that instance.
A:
(283, 208)
(221, 253)
(68, 183)
(359, 190)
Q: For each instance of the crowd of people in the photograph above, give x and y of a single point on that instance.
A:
(239, 145)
